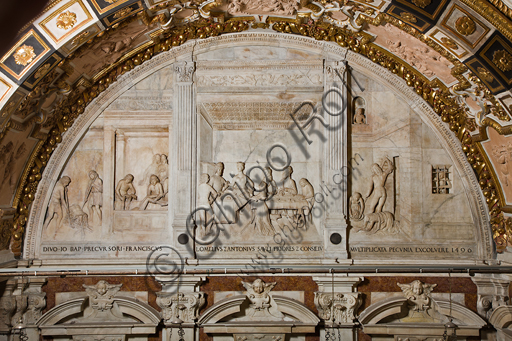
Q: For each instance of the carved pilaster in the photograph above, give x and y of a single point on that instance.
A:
(184, 146)
(492, 293)
(337, 308)
(334, 105)
(183, 305)
(337, 302)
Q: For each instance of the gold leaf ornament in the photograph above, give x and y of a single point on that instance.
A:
(449, 42)
(503, 60)
(484, 74)
(111, 1)
(408, 17)
(66, 20)
(24, 55)
(465, 26)
(422, 3)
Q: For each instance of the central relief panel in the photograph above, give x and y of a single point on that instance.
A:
(257, 153)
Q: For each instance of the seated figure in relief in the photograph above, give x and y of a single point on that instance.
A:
(125, 192)
(154, 194)
(289, 187)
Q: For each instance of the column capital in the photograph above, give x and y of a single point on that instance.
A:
(184, 71)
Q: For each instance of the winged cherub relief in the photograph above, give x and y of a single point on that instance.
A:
(101, 301)
(262, 307)
(419, 300)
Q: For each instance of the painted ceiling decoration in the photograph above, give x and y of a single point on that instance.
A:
(456, 55)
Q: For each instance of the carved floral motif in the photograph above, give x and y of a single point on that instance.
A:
(503, 60)
(484, 74)
(184, 306)
(449, 42)
(422, 3)
(408, 17)
(465, 26)
(185, 71)
(337, 308)
(24, 55)
(66, 20)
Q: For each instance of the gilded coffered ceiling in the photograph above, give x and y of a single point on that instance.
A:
(456, 55)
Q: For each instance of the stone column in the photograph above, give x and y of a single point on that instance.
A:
(180, 301)
(337, 302)
(184, 130)
(109, 154)
(334, 189)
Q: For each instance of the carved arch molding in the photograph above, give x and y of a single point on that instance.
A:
(49, 104)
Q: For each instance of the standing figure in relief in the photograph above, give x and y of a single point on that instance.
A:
(59, 205)
(94, 195)
(271, 183)
(206, 195)
(377, 195)
(289, 186)
(360, 117)
(152, 169)
(154, 194)
(125, 192)
(217, 181)
(163, 168)
(243, 186)
(308, 192)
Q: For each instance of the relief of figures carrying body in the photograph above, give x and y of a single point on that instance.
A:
(366, 214)
(257, 205)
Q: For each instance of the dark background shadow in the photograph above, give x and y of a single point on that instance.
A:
(14, 14)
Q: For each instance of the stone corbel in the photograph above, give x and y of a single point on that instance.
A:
(492, 293)
(183, 305)
(36, 300)
(337, 308)
(181, 299)
(7, 307)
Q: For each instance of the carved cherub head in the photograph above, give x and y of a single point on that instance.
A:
(416, 288)
(258, 287)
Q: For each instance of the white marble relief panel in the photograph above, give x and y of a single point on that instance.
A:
(392, 159)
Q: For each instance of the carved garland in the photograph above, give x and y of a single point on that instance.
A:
(74, 102)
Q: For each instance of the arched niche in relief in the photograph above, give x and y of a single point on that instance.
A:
(242, 89)
(394, 317)
(359, 113)
(501, 319)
